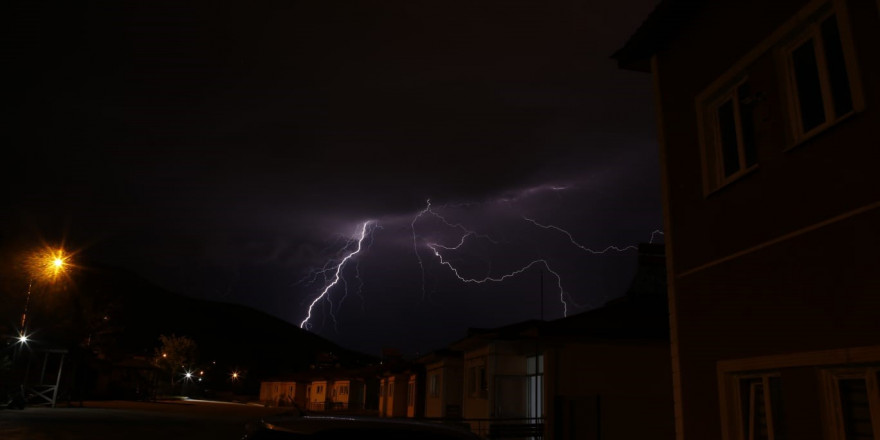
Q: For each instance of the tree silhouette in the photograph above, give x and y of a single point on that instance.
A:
(176, 355)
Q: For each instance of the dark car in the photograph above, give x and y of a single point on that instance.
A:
(295, 426)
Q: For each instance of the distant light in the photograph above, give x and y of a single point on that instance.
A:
(234, 375)
(201, 373)
(164, 355)
(189, 375)
(23, 339)
(58, 262)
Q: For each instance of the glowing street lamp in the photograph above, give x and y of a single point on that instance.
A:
(48, 264)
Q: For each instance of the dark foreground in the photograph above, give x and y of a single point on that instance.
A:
(191, 420)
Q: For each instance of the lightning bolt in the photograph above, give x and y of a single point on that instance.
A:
(357, 274)
(571, 238)
(435, 248)
(416, 246)
(336, 275)
(332, 271)
(429, 210)
(655, 233)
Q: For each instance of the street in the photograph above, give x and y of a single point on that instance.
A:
(190, 419)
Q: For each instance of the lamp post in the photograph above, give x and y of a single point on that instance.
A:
(48, 264)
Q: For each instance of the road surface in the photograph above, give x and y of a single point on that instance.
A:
(165, 420)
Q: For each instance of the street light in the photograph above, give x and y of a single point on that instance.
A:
(47, 264)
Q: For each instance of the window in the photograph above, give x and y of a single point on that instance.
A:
(752, 406)
(479, 386)
(855, 409)
(535, 384)
(434, 385)
(818, 69)
(729, 133)
(760, 400)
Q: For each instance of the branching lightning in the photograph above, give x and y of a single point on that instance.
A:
(437, 247)
(467, 232)
(416, 246)
(582, 247)
(463, 237)
(434, 247)
(337, 272)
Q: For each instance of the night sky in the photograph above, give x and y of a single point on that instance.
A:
(232, 151)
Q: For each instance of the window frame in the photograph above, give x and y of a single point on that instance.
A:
(734, 407)
(711, 148)
(728, 371)
(835, 423)
(780, 38)
(809, 28)
(434, 385)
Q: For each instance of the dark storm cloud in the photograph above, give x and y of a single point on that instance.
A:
(221, 148)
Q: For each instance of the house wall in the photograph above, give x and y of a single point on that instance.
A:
(448, 401)
(434, 405)
(282, 393)
(475, 403)
(266, 392)
(383, 396)
(412, 406)
(392, 400)
(318, 396)
(396, 406)
(452, 387)
(784, 259)
(357, 395)
(340, 399)
(612, 391)
(508, 389)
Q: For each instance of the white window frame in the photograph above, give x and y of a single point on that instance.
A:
(729, 371)
(810, 29)
(834, 408)
(780, 38)
(711, 149)
(434, 385)
(768, 406)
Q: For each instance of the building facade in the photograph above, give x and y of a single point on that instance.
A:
(444, 384)
(767, 120)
